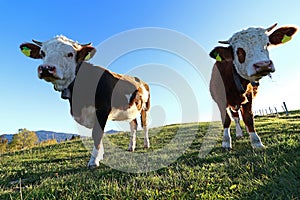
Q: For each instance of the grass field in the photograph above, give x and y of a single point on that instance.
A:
(59, 171)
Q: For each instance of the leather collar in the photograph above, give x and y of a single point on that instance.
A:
(237, 80)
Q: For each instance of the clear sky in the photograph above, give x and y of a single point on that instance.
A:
(28, 102)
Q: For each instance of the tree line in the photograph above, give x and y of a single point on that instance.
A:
(24, 139)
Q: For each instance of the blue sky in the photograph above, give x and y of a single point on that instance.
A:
(28, 102)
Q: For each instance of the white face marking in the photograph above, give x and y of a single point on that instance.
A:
(254, 42)
(58, 53)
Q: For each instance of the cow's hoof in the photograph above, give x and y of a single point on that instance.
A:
(94, 163)
(257, 145)
(238, 137)
(130, 149)
(146, 144)
(92, 166)
(256, 141)
(226, 146)
(239, 134)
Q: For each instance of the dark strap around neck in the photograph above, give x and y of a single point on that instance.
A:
(237, 81)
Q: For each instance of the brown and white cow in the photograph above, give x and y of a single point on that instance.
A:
(95, 94)
(236, 73)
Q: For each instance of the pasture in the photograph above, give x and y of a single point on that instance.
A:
(59, 171)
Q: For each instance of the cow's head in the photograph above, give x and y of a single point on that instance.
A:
(248, 49)
(60, 57)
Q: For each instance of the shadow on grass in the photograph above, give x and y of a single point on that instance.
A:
(283, 171)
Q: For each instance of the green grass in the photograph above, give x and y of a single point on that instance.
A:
(59, 171)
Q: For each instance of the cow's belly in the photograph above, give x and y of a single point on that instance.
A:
(124, 115)
(88, 115)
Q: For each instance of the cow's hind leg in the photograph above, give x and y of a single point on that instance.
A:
(238, 128)
(97, 134)
(144, 120)
(133, 129)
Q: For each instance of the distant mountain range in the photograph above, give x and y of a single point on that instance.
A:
(46, 135)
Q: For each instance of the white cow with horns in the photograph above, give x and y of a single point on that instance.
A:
(95, 94)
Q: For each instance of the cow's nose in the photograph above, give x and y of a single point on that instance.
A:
(264, 66)
(265, 63)
(46, 70)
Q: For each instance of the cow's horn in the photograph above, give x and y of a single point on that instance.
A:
(224, 42)
(37, 42)
(88, 44)
(271, 27)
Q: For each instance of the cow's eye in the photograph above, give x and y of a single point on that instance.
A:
(70, 55)
(241, 55)
(43, 53)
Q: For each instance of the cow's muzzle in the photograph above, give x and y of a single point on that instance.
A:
(47, 72)
(264, 68)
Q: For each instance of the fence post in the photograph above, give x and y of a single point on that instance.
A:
(285, 108)
(276, 110)
(271, 111)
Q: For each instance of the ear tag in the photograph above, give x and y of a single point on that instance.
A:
(88, 56)
(218, 58)
(286, 39)
(26, 51)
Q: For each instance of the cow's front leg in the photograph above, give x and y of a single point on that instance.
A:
(226, 143)
(133, 129)
(248, 120)
(97, 134)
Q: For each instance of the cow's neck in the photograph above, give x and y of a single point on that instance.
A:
(240, 83)
(67, 92)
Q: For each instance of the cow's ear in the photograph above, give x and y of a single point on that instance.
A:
(31, 50)
(222, 53)
(282, 35)
(85, 53)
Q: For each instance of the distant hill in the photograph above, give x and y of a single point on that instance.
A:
(45, 135)
(7, 136)
(112, 131)
(59, 136)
